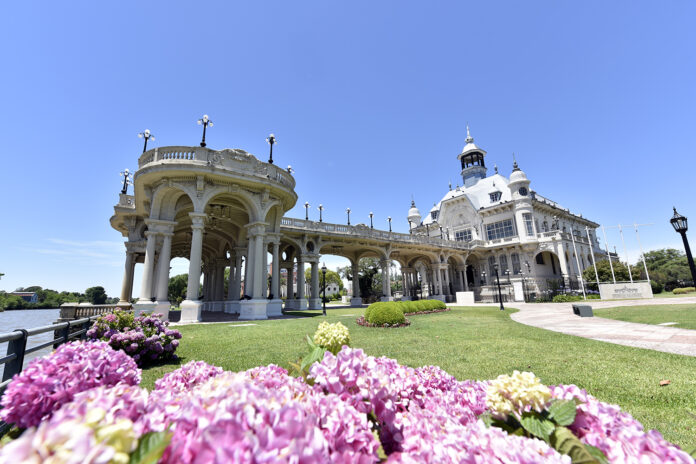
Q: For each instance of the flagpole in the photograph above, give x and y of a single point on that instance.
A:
(594, 264)
(606, 245)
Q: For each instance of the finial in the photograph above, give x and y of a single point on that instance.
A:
(515, 167)
(495, 166)
(469, 138)
(413, 202)
(450, 184)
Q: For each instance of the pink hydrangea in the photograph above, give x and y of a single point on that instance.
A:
(620, 437)
(51, 381)
(187, 376)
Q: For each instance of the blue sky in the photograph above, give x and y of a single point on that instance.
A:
(369, 101)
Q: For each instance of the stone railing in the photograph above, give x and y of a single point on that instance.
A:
(234, 160)
(71, 311)
(362, 231)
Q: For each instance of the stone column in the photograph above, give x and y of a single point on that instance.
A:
(231, 277)
(250, 268)
(447, 279)
(256, 307)
(315, 300)
(232, 304)
(130, 278)
(148, 268)
(290, 300)
(219, 291)
(302, 303)
(127, 279)
(355, 300)
(163, 275)
(246, 272)
(560, 251)
(386, 281)
(191, 307)
(265, 291)
(405, 274)
(275, 306)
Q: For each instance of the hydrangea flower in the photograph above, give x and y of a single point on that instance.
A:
(187, 376)
(516, 393)
(332, 336)
(53, 380)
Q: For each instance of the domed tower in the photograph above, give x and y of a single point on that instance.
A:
(472, 159)
(519, 189)
(414, 216)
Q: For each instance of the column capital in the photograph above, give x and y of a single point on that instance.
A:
(256, 228)
(198, 220)
(240, 250)
(312, 258)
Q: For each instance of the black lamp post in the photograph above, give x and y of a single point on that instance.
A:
(483, 277)
(389, 219)
(271, 141)
(507, 273)
(524, 286)
(306, 210)
(205, 122)
(420, 286)
(409, 228)
(321, 208)
(147, 135)
(500, 293)
(127, 180)
(348, 212)
(371, 227)
(323, 279)
(680, 224)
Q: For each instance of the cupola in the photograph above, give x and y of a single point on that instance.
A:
(472, 160)
(414, 216)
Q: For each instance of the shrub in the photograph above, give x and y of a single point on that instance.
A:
(683, 290)
(146, 338)
(421, 305)
(332, 336)
(409, 307)
(656, 287)
(563, 298)
(386, 313)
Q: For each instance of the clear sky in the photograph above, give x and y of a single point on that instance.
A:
(369, 101)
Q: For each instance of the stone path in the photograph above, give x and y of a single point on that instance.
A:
(559, 317)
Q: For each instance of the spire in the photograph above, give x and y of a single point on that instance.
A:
(515, 167)
(469, 138)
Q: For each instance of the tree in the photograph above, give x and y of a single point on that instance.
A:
(331, 277)
(96, 295)
(604, 273)
(666, 265)
(176, 291)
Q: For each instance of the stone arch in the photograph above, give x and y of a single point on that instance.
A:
(244, 197)
(547, 265)
(165, 198)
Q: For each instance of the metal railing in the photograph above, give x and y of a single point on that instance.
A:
(13, 361)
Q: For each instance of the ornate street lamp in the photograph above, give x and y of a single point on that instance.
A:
(371, 227)
(271, 141)
(680, 224)
(147, 135)
(483, 277)
(306, 210)
(507, 273)
(321, 208)
(348, 211)
(127, 180)
(420, 285)
(323, 275)
(205, 122)
(497, 279)
(389, 219)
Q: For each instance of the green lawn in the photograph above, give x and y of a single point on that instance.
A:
(474, 343)
(672, 295)
(683, 314)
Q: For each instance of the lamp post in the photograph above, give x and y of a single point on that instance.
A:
(348, 212)
(507, 273)
(483, 277)
(205, 122)
(271, 141)
(147, 135)
(680, 224)
(323, 279)
(410, 231)
(371, 227)
(127, 180)
(389, 219)
(500, 293)
(306, 210)
(321, 208)
(420, 285)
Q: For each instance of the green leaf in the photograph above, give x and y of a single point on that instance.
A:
(537, 426)
(597, 454)
(566, 443)
(317, 354)
(150, 447)
(310, 342)
(562, 412)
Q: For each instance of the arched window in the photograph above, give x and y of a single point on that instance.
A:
(515, 258)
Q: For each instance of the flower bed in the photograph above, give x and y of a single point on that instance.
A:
(147, 339)
(351, 408)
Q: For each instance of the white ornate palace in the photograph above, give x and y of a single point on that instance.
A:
(220, 208)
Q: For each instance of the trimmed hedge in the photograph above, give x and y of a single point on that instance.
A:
(681, 291)
(404, 307)
(564, 298)
(384, 313)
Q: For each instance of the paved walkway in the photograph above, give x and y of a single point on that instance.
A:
(559, 317)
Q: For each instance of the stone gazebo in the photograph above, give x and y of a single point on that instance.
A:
(215, 208)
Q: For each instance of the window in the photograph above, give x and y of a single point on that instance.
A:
(515, 258)
(503, 265)
(463, 235)
(495, 196)
(528, 223)
(491, 266)
(540, 259)
(433, 215)
(500, 229)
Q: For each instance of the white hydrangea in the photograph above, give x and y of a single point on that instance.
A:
(332, 336)
(516, 393)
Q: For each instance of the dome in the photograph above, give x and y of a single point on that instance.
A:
(517, 175)
(413, 214)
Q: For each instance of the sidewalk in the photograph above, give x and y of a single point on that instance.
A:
(559, 317)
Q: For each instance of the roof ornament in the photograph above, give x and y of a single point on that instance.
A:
(450, 184)
(515, 167)
(469, 138)
(495, 166)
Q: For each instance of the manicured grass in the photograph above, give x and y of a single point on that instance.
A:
(683, 314)
(473, 343)
(672, 295)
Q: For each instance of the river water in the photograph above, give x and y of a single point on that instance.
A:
(28, 319)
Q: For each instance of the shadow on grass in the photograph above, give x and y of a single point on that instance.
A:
(301, 314)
